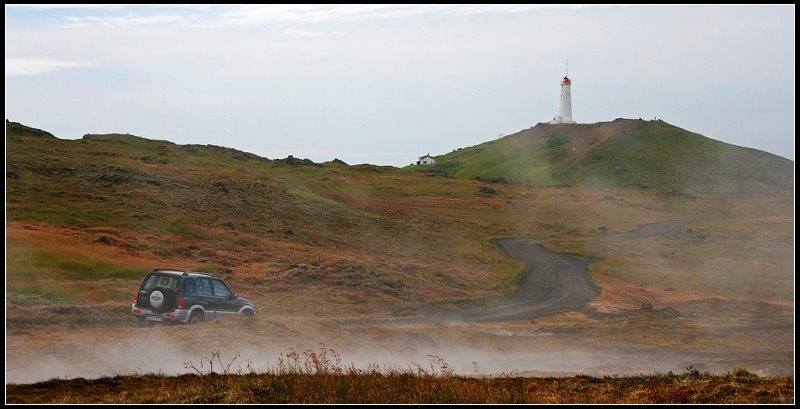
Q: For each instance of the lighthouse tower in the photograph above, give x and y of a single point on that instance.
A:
(565, 108)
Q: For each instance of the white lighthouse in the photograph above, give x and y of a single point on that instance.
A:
(565, 107)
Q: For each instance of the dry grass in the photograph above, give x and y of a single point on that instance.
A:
(312, 246)
(320, 377)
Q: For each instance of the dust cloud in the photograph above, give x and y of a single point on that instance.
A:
(466, 349)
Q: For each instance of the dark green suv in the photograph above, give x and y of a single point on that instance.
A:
(174, 296)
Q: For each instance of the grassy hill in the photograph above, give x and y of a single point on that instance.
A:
(319, 245)
(624, 153)
(112, 206)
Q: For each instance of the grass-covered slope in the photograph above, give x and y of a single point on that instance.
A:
(624, 153)
(110, 207)
(85, 219)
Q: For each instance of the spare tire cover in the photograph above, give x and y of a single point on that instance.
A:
(156, 299)
(161, 299)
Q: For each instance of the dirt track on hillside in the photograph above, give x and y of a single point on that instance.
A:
(551, 282)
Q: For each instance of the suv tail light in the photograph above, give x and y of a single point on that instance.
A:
(181, 303)
(136, 296)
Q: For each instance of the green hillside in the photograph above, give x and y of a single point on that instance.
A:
(327, 252)
(371, 238)
(128, 204)
(624, 153)
(15, 128)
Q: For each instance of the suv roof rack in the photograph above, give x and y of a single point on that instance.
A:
(184, 272)
(169, 269)
(202, 273)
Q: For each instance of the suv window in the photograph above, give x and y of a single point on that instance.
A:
(158, 280)
(220, 289)
(188, 286)
(203, 286)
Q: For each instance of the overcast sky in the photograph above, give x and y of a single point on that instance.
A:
(385, 84)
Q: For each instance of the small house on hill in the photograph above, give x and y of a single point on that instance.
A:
(426, 160)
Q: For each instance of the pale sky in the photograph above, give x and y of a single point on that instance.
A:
(385, 84)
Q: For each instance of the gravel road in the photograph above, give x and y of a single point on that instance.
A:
(550, 283)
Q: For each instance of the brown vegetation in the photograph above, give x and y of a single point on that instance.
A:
(325, 251)
(321, 378)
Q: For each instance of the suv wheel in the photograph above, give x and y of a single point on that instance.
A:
(196, 317)
(248, 313)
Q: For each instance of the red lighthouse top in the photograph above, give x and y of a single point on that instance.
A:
(566, 81)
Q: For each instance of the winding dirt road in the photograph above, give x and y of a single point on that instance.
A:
(550, 283)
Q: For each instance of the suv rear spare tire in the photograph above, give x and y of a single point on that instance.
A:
(161, 299)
